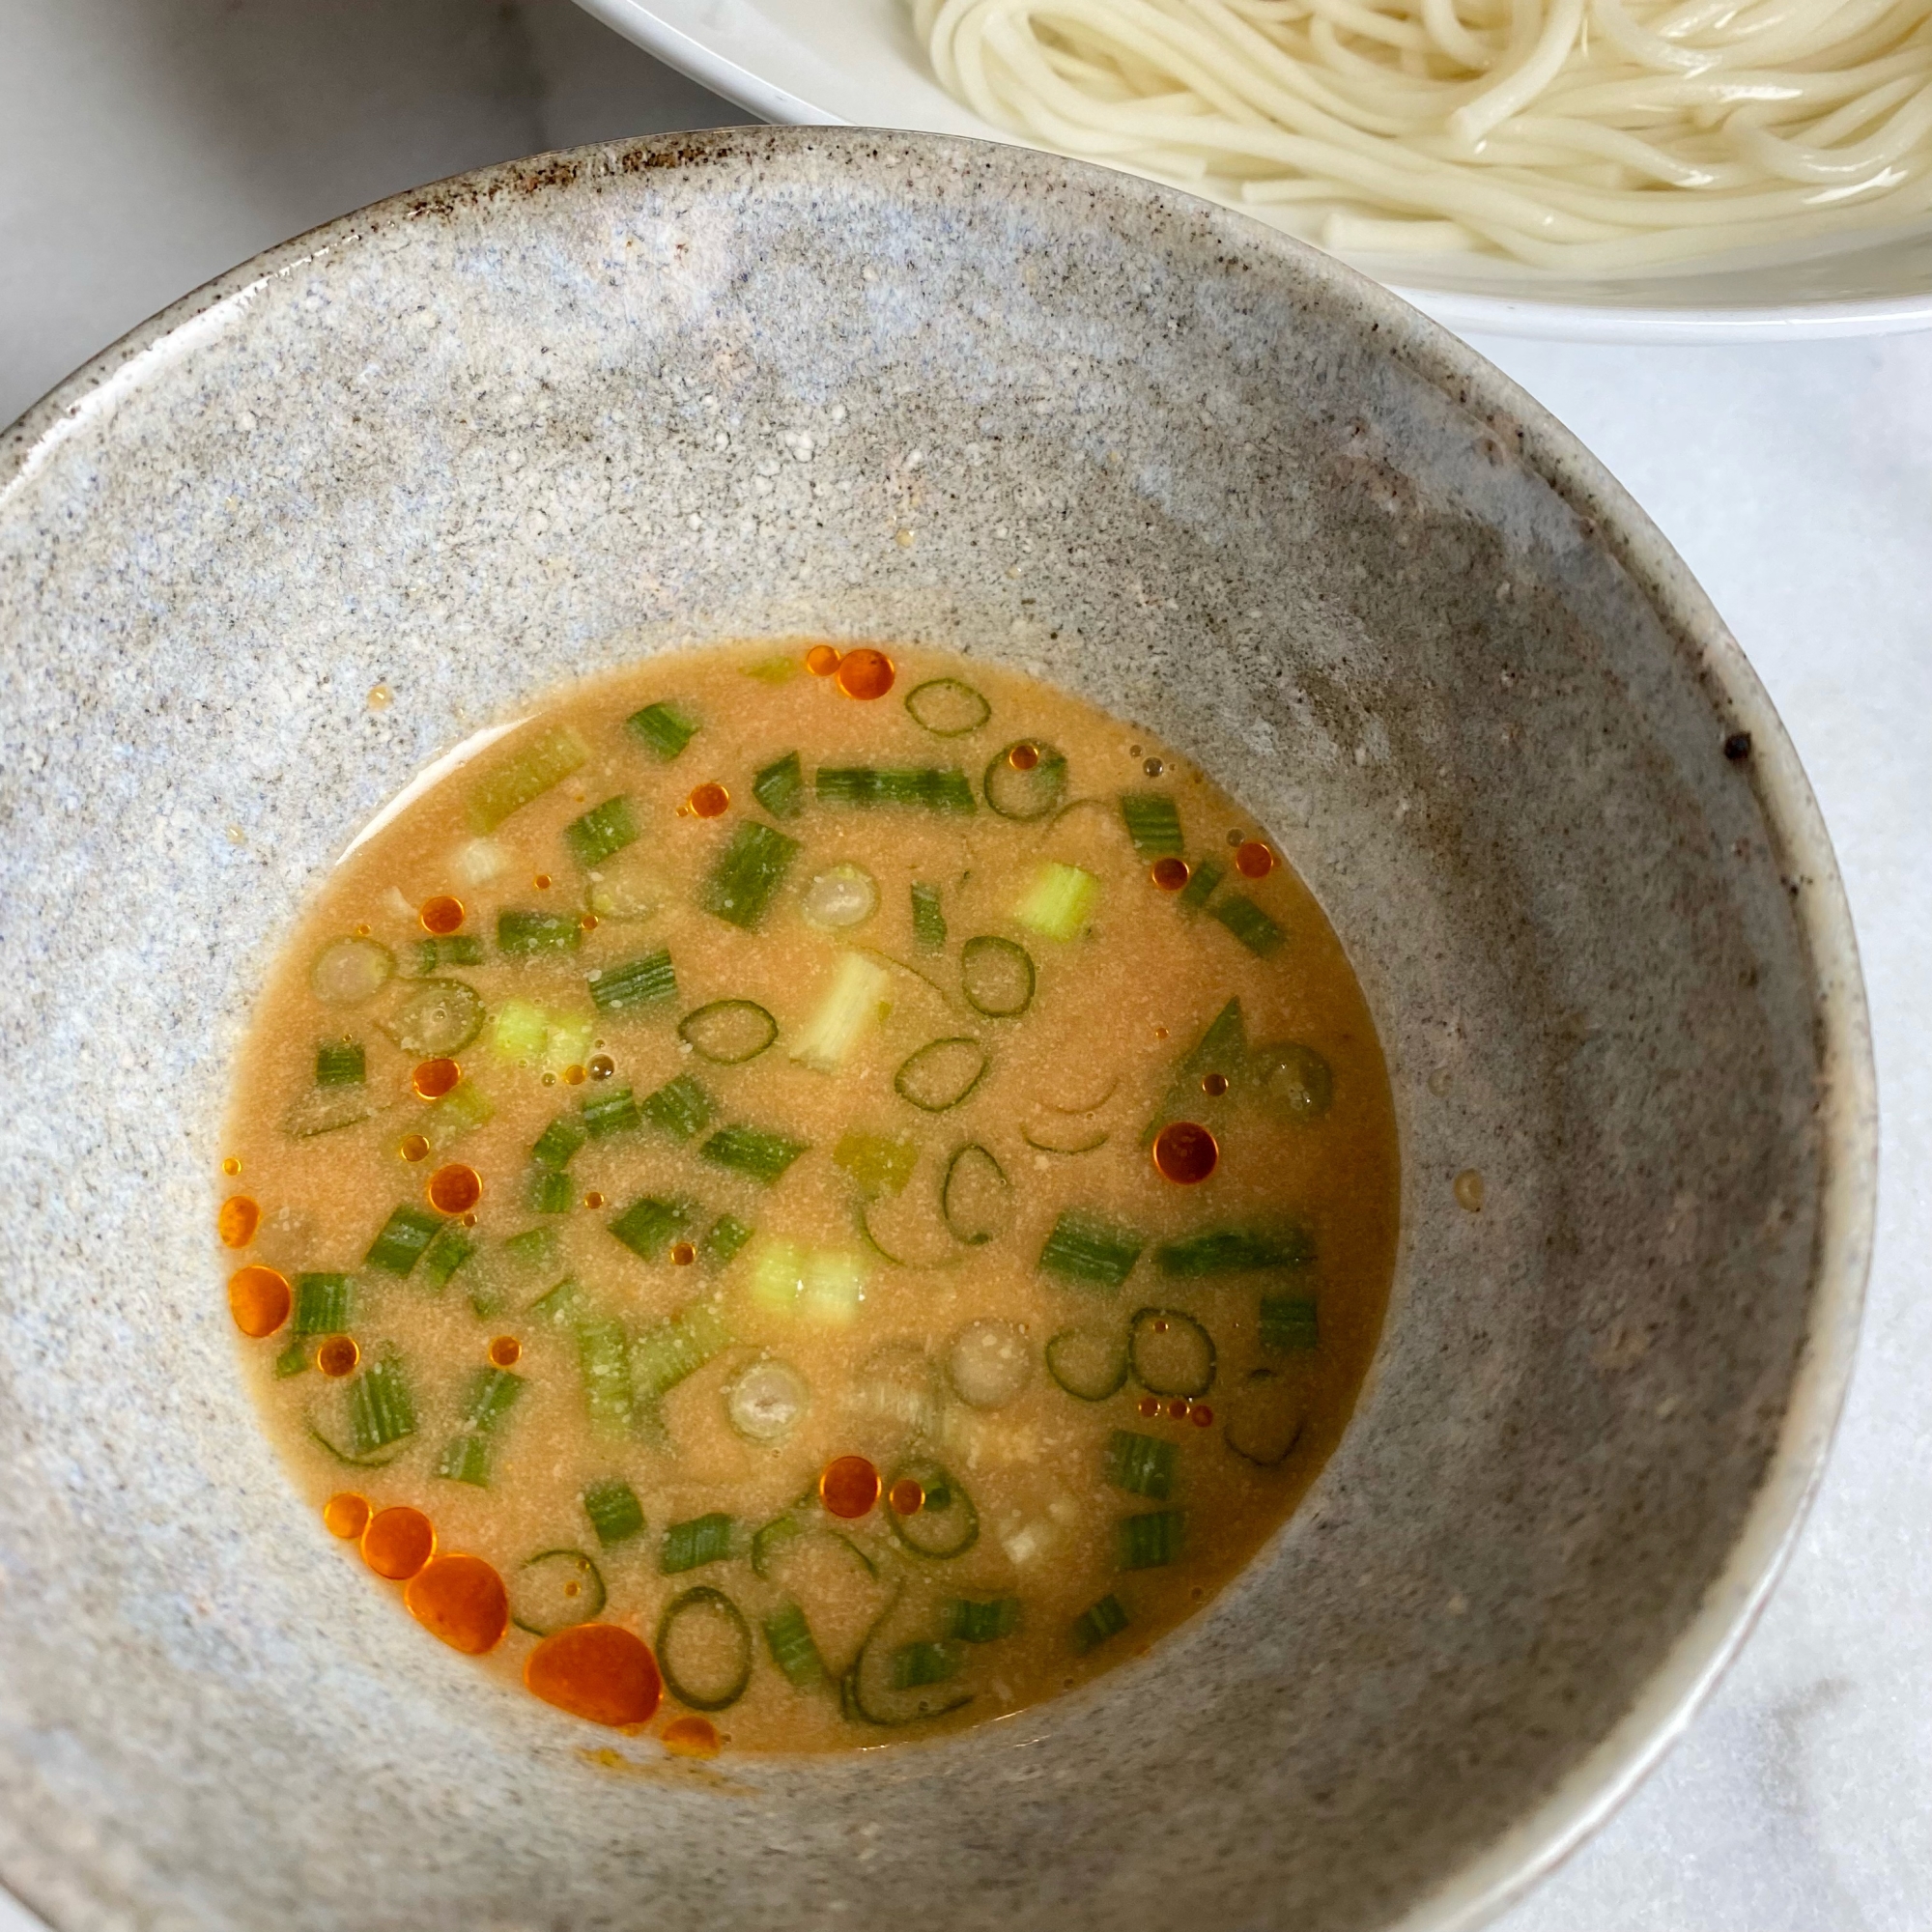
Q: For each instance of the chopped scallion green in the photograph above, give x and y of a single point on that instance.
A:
(723, 1239)
(615, 1511)
(1153, 823)
(968, 1621)
(613, 1111)
(666, 727)
(793, 1648)
(603, 1358)
(855, 1000)
(648, 1226)
(465, 1458)
(1151, 1540)
(557, 1305)
(527, 773)
(340, 1062)
(401, 1245)
(691, 1544)
(450, 949)
(753, 1152)
(663, 1356)
(1060, 902)
(637, 983)
(447, 1253)
(603, 830)
(547, 1190)
(460, 1110)
(320, 1305)
(682, 1108)
(1288, 1324)
(557, 1145)
(864, 786)
(946, 708)
(1085, 1248)
(1201, 884)
(1093, 1626)
(879, 1163)
(1236, 1251)
(748, 874)
(780, 787)
(522, 932)
(928, 920)
(1141, 1464)
(1248, 922)
(493, 1394)
(380, 1408)
(919, 1663)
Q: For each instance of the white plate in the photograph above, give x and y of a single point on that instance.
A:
(856, 60)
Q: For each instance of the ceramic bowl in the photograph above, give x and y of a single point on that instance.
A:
(542, 419)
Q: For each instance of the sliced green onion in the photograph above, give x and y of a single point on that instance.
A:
(603, 1358)
(765, 1400)
(320, 1305)
(380, 1408)
(346, 972)
(1025, 794)
(691, 1544)
(748, 874)
(626, 887)
(531, 1253)
(547, 1190)
(405, 1234)
(437, 1019)
(1093, 1626)
(681, 1107)
(465, 1458)
(447, 1253)
(650, 1225)
(704, 1649)
(865, 1693)
(1151, 1540)
(753, 1152)
(1264, 1418)
(666, 727)
(905, 1241)
(557, 1145)
(1201, 884)
(924, 1663)
(975, 1197)
(554, 1590)
(941, 1074)
(603, 830)
(826, 1284)
(616, 1514)
(866, 785)
(770, 1541)
(1294, 1081)
(968, 1620)
(1083, 1247)
(1141, 1464)
(780, 787)
(322, 1110)
(1087, 1144)
(855, 1000)
(1170, 1352)
(1288, 1324)
(947, 707)
(1060, 902)
(493, 1394)
(613, 1111)
(1236, 1251)
(527, 774)
(946, 1524)
(448, 949)
(519, 1030)
(1248, 922)
(793, 1648)
(340, 1062)
(880, 1163)
(723, 1239)
(1222, 1049)
(997, 976)
(637, 983)
(464, 1109)
(665, 1355)
(293, 1361)
(1153, 823)
(557, 1305)
(728, 1033)
(928, 920)
(523, 933)
(1089, 1363)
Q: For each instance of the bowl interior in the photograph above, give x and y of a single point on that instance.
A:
(545, 418)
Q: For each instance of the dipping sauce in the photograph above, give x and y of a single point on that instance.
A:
(828, 1176)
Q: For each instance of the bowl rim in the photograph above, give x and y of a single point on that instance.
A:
(1592, 1790)
(1523, 314)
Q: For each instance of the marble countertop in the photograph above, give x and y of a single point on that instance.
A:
(148, 144)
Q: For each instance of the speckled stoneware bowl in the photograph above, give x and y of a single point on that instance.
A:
(542, 419)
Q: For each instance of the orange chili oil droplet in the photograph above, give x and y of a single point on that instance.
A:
(593, 1200)
(434, 1078)
(362, 932)
(505, 1351)
(588, 922)
(598, 1672)
(1214, 1085)
(238, 1220)
(849, 1487)
(398, 1542)
(907, 1497)
(231, 1165)
(1023, 757)
(1149, 1406)
(683, 1253)
(346, 1515)
(1169, 875)
(691, 1737)
(414, 1147)
(441, 914)
(1253, 860)
(573, 1076)
(337, 1356)
(1177, 1408)
(709, 800)
(1185, 1153)
(1200, 1416)
(460, 1599)
(455, 1189)
(602, 1067)
(865, 674)
(258, 1299)
(821, 661)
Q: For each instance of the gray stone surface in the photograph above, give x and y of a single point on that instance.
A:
(484, 438)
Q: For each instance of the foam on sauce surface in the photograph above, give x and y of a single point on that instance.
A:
(805, 1198)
